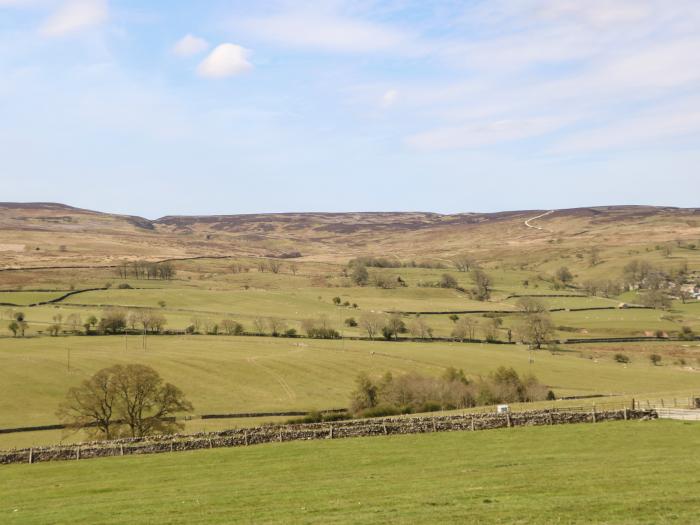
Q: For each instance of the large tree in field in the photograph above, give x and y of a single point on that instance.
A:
(129, 400)
(536, 328)
(91, 405)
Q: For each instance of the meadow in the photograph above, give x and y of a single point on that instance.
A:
(622, 473)
(228, 374)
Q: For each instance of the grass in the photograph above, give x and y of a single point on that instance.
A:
(620, 473)
(236, 374)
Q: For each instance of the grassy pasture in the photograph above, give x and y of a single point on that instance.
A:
(625, 473)
(241, 374)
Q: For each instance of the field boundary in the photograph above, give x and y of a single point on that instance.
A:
(316, 431)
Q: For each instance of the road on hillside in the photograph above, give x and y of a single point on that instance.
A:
(527, 222)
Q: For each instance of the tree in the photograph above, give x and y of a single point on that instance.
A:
(293, 268)
(54, 329)
(359, 275)
(530, 305)
(277, 326)
(365, 394)
(393, 327)
(14, 328)
(447, 281)
(73, 321)
(124, 400)
(91, 405)
(231, 327)
(337, 300)
(655, 359)
(259, 325)
(372, 323)
(419, 328)
(656, 299)
(536, 328)
(144, 400)
(113, 321)
(464, 329)
(463, 262)
(482, 285)
(564, 275)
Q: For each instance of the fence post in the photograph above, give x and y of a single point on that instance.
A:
(245, 437)
(210, 445)
(384, 426)
(625, 413)
(594, 417)
(472, 423)
(121, 449)
(508, 419)
(549, 418)
(77, 453)
(434, 426)
(330, 432)
(31, 456)
(633, 404)
(281, 435)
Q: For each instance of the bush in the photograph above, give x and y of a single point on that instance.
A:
(124, 286)
(320, 417)
(384, 410)
(621, 358)
(351, 322)
(655, 359)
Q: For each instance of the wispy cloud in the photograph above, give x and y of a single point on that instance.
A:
(75, 15)
(326, 31)
(224, 61)
(190, 45)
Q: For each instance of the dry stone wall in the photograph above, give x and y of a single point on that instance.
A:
(336, 430)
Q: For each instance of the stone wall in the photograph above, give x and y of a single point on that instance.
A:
(336, 430)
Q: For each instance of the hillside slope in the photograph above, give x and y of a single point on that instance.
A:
(55, 234)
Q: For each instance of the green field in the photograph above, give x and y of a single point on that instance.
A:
(240, 374)
(620, 473)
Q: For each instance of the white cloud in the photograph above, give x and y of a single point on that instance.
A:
(75, 15)
(190, 45)
(389, 98)
(327, 32)
(224, 61)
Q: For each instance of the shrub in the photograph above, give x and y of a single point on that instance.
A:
(124, 286)
(655, 359)
(621, 358)
(351, 322)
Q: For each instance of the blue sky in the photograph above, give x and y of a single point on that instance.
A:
(174, 107)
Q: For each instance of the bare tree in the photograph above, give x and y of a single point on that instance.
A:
(276, 325)
(91, 405)
(464, 328)
(464, 262)
(259, 325)
(482, 285)
(419, 328)
(372, 323)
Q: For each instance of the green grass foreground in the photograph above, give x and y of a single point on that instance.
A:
(624, 472)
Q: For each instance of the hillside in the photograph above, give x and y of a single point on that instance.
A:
(35, 234)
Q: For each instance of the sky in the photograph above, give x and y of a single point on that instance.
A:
(207, 107)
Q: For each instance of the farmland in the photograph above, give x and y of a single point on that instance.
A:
(486, 477)
(234, 308)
